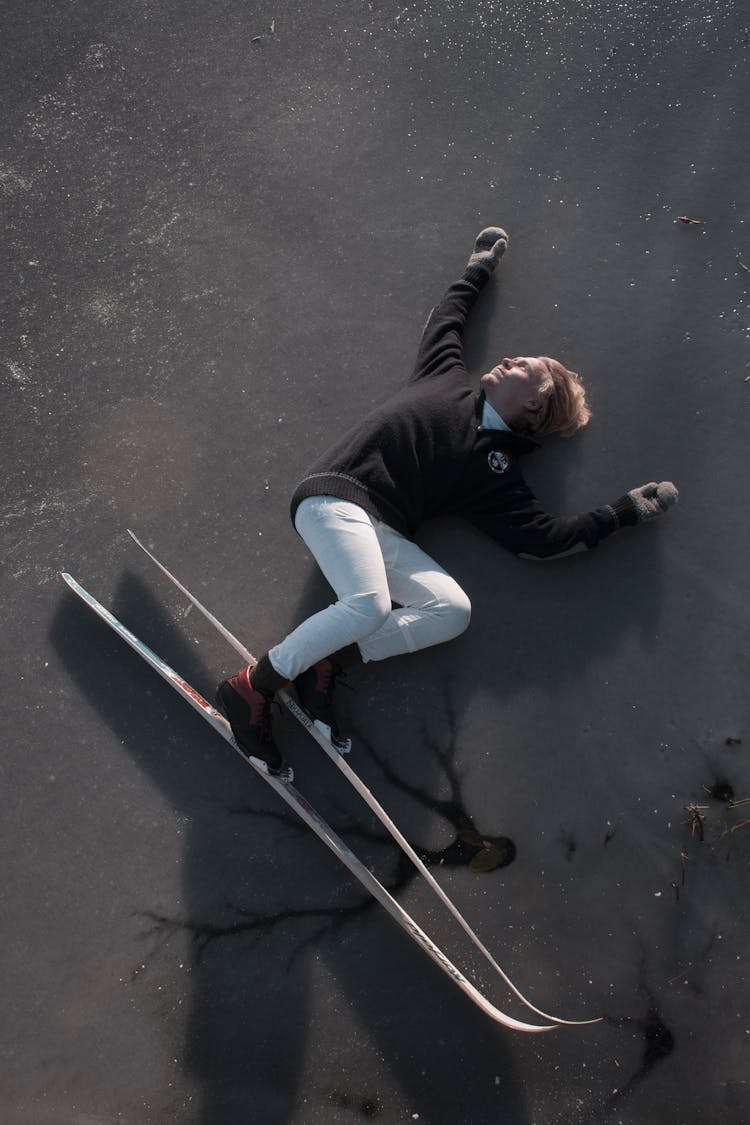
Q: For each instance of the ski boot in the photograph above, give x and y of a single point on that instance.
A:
(315, 689)
(249, 713)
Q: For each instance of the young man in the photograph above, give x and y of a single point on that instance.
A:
(437, 446)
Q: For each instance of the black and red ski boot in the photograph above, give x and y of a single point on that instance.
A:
(249, 713)
(315, 690)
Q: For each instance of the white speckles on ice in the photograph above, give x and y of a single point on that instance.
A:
(17, 373)
(11, 181)
(98, 55)
(103, 307)
(622, 31)
(158, 236)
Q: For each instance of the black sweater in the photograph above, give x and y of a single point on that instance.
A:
(425, 453)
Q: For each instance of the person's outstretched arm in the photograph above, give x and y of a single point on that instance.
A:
(523, 526)
(441, 347)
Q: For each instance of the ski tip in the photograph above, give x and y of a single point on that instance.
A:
(570, 1023)
(133, 536)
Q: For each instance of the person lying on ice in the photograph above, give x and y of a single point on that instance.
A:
(438, 446)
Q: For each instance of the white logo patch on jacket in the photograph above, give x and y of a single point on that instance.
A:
(499, 462)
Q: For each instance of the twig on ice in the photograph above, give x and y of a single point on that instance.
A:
(696, 819)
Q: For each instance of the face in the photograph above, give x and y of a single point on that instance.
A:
(512, 388)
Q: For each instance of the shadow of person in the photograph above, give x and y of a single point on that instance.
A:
(260, 906)
(539, 629)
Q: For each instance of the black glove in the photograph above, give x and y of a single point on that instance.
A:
(652, 499)
(489, 248)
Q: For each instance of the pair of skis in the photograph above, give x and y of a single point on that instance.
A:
(309, 816)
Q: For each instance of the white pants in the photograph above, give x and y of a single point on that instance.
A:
(369, 565)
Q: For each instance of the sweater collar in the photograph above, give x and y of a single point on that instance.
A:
(519, 442)
(491, 420)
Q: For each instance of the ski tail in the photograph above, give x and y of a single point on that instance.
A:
(236, 644)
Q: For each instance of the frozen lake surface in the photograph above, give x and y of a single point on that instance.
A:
(225, 227)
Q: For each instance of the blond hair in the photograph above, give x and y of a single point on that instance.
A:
(563, 408)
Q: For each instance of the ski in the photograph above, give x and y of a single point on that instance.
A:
(307, 814)
(321, 734)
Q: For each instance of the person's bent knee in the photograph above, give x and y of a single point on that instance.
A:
(451, 615)
(459, 614)
(372, 608)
